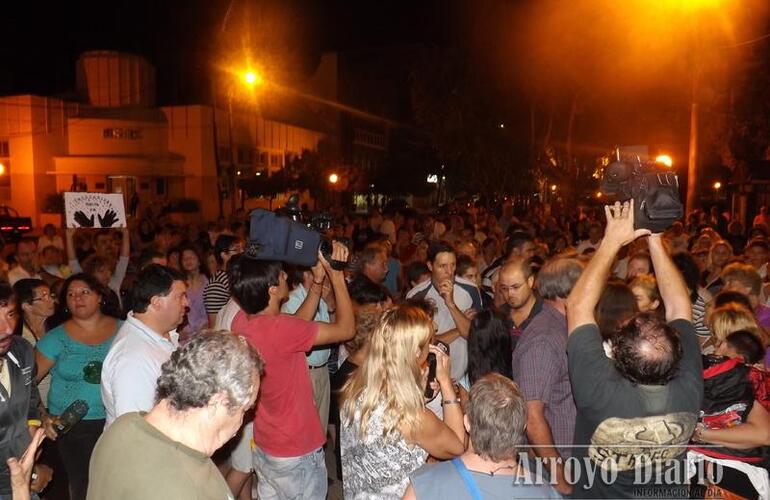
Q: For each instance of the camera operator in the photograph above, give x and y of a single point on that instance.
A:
(636, 411)
(288, 457)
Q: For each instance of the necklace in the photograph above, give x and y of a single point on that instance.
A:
(494, 471)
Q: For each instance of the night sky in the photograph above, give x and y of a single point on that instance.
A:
(622, 68)
(181, 37)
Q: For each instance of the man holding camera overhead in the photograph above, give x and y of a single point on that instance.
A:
(637, 408)
(288, 457)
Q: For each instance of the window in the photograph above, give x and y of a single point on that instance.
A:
(263, 158)
(160, 187)
(275, 160)
(5, 150)
(5, 173)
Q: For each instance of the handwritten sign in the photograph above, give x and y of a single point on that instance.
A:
(97, 210)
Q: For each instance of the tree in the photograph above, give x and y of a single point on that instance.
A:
(463, 114)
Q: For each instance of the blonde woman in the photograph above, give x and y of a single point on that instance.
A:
(730, 318)
(386, 431)
(719, 255)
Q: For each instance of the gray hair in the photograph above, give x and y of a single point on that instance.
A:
(211, 363)
(557, 277)
(497, 415)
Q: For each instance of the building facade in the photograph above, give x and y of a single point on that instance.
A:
(115, 139)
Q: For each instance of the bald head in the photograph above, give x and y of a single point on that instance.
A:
(515, 282)
(518, 265)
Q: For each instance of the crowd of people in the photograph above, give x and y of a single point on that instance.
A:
(468, 354)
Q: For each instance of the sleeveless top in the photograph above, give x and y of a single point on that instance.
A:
(376, 467)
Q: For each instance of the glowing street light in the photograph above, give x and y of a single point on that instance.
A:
(598, 194)
(334, 178)
(252, 78)
(553, 188)
(2, 169)
(664, 160)
(717, 186)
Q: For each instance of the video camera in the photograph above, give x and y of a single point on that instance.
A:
(286, 235)
(655, 191)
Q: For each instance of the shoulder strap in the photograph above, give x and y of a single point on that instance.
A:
(467, 478)
(423, 293)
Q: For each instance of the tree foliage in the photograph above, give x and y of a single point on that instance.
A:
(463, 113)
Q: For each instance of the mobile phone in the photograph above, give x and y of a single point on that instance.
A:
(71, 415)
(429, 393)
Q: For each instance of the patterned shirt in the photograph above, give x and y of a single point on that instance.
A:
(540, 368)
(376, 467)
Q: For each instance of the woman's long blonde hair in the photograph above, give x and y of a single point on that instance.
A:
(730, 318)
(391, 374)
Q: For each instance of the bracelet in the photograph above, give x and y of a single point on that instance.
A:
(455, 401)
(33, 422)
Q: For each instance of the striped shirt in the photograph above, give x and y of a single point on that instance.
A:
(699, 317)
(217, 293)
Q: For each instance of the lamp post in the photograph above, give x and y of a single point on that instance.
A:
(250, 79)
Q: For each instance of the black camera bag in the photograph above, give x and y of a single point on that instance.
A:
(656, 200)
(272, 237)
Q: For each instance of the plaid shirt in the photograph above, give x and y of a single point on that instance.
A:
(540, 369)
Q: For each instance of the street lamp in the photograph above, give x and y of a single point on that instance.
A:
(553, 188)
(664, 160)
(252, 78)
(717, 186)
(2, 169)
(334, 178)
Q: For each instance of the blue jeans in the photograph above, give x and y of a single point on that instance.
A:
(293, 478)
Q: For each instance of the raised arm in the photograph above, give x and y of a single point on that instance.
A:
(463, 324)
(72, 257)
(307, 310)
(443, 439)
(673, 290)
(343, 327)
(588, 289)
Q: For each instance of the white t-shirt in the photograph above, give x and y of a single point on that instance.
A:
(458, 350)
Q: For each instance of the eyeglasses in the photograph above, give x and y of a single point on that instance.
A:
(42, 296)
(83, 293)
(505, 289)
